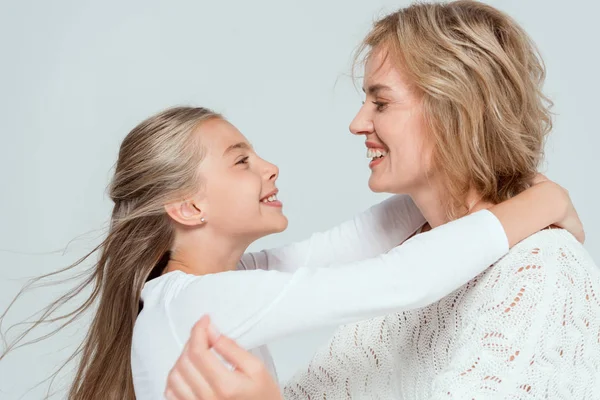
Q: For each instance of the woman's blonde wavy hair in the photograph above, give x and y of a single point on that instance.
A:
(480, 77)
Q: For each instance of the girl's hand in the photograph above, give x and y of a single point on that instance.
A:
(570, 219)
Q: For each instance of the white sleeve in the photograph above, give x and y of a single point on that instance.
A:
(265, 305)
(372, 232)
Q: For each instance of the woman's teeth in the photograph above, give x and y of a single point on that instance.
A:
(375, 153)
(270, 198)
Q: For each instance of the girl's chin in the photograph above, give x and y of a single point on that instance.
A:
(281, 225)
(377, 186)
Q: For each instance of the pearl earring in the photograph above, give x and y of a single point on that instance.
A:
(202, 220)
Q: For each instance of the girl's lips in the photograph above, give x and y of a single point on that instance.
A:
(275, 203)
(273, 193)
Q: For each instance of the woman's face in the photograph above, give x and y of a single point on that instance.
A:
(238, 192)
(391, 120)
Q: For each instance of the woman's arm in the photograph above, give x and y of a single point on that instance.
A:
(372, 232)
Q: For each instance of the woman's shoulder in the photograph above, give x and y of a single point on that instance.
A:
(550, 248)
(546, 260)
(544, 273)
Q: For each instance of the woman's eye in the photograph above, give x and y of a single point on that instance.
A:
(243, 161)
(380, 105)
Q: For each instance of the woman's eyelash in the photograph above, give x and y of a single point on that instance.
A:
(243, 161)
(380, 105)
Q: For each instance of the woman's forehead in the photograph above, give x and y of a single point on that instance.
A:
(381, 73)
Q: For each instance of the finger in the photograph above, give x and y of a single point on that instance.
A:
(194, 379)
(202, 323)
(213, 334)
(178, 388)
(214, 372)
(181, 383)
(235, 355)
(169, 395)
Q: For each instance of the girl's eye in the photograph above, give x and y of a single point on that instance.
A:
(243, 161)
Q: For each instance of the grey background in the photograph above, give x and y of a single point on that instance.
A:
(76, 76)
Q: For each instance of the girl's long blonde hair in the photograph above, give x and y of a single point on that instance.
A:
(480, 77)
(157, 164)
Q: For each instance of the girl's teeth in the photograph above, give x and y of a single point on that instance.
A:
(270, 198)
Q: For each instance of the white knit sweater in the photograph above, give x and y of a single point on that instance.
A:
(526, 328)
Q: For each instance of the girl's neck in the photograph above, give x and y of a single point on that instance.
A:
(201, 253)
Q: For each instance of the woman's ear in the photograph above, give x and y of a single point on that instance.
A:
(187, 212)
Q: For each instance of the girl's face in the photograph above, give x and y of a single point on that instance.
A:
(238, 194)
(391, 120)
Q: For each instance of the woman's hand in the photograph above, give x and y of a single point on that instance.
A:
(200, 375)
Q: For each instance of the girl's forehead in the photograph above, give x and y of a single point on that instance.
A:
(218, 135)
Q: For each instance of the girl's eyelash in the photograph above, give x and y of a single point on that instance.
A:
(243, 161)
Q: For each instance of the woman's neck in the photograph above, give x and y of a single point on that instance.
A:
(201, 253)
(432, 202)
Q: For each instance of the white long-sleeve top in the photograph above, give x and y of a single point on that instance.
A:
(528, 328)
(287, 290)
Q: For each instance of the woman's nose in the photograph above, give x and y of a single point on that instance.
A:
(362, 124)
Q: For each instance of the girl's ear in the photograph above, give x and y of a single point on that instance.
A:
(186, 212)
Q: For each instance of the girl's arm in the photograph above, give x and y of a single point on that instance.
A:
(256, 307)
(369, 234)
(196, 361)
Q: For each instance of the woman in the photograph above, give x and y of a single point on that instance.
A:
(454, 103)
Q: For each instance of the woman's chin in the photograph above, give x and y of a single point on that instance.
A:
(378, 184)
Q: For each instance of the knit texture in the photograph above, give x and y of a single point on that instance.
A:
(526, 328)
